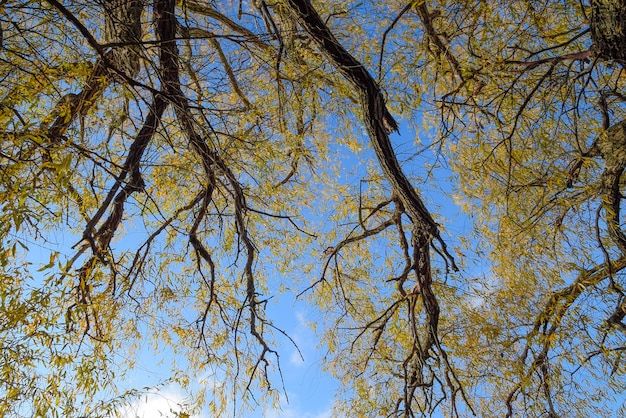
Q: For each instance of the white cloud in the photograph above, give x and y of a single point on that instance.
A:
(158, 404)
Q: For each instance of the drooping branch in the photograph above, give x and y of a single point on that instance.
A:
(123, 28)
(548, 323)
(380, 124)
(426, 16)
(611, 146)
(127, 182)
(381, 54)
(135, 182)
(166, 27)
(207, 10)
(377, 118)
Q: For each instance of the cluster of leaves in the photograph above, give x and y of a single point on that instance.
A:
(177, 164)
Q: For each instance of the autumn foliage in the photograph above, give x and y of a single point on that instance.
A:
(168, 168)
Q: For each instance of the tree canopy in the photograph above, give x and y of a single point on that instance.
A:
(178, 164)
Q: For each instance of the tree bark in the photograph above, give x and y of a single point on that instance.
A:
(122, 30)
(608, 28)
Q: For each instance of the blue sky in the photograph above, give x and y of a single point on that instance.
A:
(308, 387)
(310, 390)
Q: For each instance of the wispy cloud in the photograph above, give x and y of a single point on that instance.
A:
(289, 410)
(304, 339)
(167, 403)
